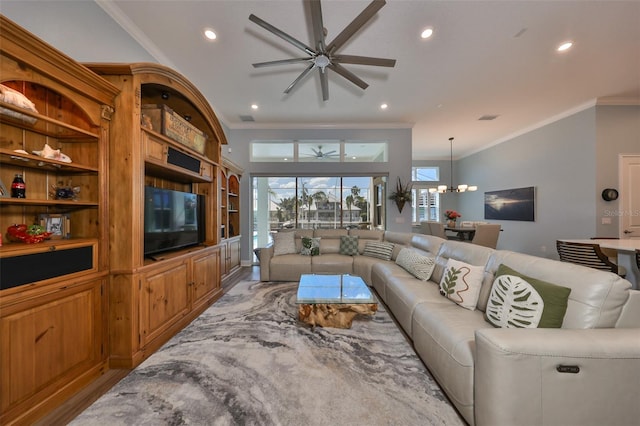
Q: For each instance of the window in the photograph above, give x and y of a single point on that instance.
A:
(325, 151)
(425, 174)
(425, 205)
(323, 202)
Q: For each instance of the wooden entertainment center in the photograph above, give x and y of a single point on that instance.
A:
(96, 301)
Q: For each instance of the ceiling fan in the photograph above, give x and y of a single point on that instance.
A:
(324, 56)
(317, 153)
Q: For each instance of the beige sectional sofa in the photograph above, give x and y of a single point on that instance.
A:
(585, 373)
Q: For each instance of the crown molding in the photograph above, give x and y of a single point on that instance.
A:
(311, 126)
(618, 101)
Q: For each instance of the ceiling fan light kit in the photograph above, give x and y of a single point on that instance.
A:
(324, 56)
(460, 188)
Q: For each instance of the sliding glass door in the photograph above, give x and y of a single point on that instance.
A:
(313, 203)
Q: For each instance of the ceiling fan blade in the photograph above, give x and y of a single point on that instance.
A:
(364, 60)
(329, 153)
(324, 85)
(355, 25)
(318, 26)
(300, 77)
(286, 37)
(281, 62)
(348, 75)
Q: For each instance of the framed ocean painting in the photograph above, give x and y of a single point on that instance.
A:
(510, 204)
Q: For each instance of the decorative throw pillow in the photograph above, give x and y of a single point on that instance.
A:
(461, 283)
(310, 246)
(519, 301)
(379, 249)
(349, 245)
(284, 243)
(416, 264)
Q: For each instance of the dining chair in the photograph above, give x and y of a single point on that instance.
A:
(487, 235)
(425, 227)
(587, 254)
(612, 254)
(437, 229)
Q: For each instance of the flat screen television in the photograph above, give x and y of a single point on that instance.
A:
(172, 220)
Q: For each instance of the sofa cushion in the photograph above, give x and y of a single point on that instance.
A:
(403, 293)
(519, 301)
(284, 243)
(461, 283)
(332, 263)
(289, 267)
(472, 254)
(366, 235)
(381, 250)
(596, 298)
(310, 246)
(400, 239)
(416, 264)
(349, 245)
(444, 336)
(330, 239)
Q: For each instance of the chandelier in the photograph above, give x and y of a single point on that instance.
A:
(460, 188)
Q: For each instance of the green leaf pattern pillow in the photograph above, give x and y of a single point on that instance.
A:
(310, 246)
(519, 301)
(461, 283)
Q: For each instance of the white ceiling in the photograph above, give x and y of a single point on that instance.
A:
(485, 58)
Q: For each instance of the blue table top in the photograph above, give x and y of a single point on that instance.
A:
(334, 289)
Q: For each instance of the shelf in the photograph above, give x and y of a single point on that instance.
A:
(45, 125)
(35, 162)
(10, 249)
(36, 202)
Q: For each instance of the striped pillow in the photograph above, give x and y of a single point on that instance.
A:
(416, 264)
(381, 250)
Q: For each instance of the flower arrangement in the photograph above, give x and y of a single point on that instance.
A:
(401, 195)
(452, 215)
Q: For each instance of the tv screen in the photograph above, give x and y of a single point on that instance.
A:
(172, 219)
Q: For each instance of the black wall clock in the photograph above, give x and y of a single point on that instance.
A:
(609, 194)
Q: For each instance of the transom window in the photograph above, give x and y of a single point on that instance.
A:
(319, 150)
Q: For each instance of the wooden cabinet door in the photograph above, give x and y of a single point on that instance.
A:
(206, 278)
(46, 342)
(206, 170)
(154, 150)
(164, 298)
(234, 254)
(224, 259)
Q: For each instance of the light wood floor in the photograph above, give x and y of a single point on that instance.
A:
(79, 402)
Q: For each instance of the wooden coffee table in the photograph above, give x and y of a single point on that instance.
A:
(333, 300)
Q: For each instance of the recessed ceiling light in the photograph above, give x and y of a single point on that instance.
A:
(426, 33)
(210, 34)
(384, 106)
(254, 106)
(565, 46)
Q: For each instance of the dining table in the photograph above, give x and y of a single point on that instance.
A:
(464, 233)
(626, 249)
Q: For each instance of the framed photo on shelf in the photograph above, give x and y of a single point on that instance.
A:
(58, 224)
(3, 190)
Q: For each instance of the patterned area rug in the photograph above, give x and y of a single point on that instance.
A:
(248, 361)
